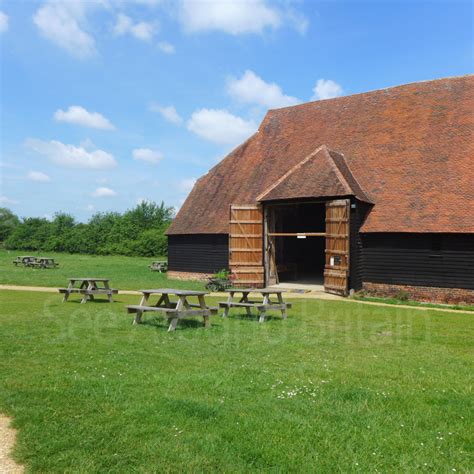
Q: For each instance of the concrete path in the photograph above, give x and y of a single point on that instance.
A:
(7, 440)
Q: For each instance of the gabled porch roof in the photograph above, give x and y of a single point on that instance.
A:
(323, 173)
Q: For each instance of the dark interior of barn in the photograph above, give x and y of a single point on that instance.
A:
(299, 258)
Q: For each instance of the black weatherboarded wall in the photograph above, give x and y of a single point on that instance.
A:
(439, 260)
(357, 217)
(200, 253)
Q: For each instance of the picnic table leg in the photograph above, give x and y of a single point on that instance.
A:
(162, 298)
(138, 314)
(283, 306)
(245, 299)
(83, 286)
(109, 294)
(263, 313)
(179, 306)
(173, 323)
(138, 317)
(227, 308)
(202, 304)
(67, 293)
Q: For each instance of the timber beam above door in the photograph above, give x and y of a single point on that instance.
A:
(297, 234)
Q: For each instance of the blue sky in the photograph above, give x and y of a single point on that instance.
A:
(107, 102)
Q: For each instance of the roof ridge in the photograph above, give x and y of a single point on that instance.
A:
(397, 86)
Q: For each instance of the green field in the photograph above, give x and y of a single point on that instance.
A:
(126, 273)
(338, 387)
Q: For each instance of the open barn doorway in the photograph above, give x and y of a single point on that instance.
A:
(295, 244)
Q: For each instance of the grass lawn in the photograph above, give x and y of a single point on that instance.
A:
(337, 387)
(126, 273)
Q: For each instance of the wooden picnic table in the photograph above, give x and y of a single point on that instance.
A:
(88, 288)
(173, 310)
(24, 260)
(43, 262)
(262, 306)
(159, 266)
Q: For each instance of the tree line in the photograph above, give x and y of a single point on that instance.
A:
(136, 232)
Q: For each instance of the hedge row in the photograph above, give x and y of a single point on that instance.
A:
(139, 231)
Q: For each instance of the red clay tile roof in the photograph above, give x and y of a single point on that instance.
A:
(323, 173)
(410, 147)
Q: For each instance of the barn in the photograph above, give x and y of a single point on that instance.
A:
(372, 191)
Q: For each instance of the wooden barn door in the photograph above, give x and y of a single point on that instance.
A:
(246, 245)
(336, 270)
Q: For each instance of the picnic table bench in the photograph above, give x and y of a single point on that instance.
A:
(24, 260)
(262, 306)
(159, 266)
(43, 262)
(173, 310)
(88, 288)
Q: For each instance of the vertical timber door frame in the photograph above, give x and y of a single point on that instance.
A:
(246, 245)
(337, 266)
(271, 273)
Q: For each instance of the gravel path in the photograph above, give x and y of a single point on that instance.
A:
(290, 294)
(7, 440)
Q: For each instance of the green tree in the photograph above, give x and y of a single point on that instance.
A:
(139, 231)
(8, 222)
(61, 230)
(149, 215)
(32, 233)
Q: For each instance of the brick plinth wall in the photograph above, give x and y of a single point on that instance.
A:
(426, 294)
(189, 276)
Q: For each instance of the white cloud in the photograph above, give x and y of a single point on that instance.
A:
(4, 200)
(38, 176)
(142, 30)
(299, 22)
(80, 116)
(185, 185)
(71, 156)
(63, 23)
(147, 155)
(166, 47)
(149, 3)
(231, 16)
(104, 192)
(169, 113)
(90, 208)
(220, 126)
(3, 22)
(326, 89)
(252, 89)
(88, 144)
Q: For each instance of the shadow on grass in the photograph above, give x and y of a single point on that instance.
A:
(99, 301)
(254, 317)
(163, 323)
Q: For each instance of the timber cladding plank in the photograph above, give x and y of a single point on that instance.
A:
(246, 245)
(336, 270)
